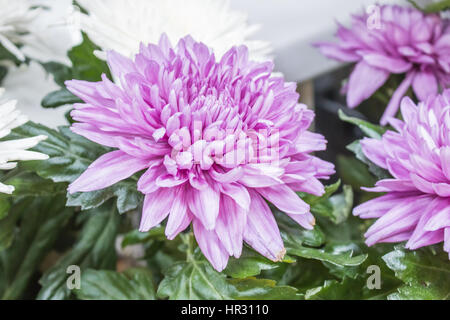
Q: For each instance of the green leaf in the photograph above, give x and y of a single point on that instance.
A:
(136, 237)
(369, 129)
(3, 73)
(60, 72)
(70, 155)
(249, 264)
(425, 272)
(133, 284)
(30, 184)
(345, 258)
(355, 173)
(303, 274)
(329, 191)
(5, 205)
(6, 55)
(309, 244)
(59, 98)
(95, 248)
(86, 66)
(41, 222)
(195, 279)
(8, 223)
(337, 208)
(128, 197)
(293, 235)
(263, 289)
(433, 7)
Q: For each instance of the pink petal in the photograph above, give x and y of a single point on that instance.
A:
(261, 175)
(157, 206)
(377, 207)
(204, 204)
(445, 161)
(110, 168)
(425, 84)
(363, 82)
(261, 231)
(333, 51)
(179, 217)
(440, 217)
(147, 182)
(399, 219)
(211, 246)
(230, 226)
(119, 64)
(447, 240)
(374, 150)
(387, 63)
(284, 199)
(238, 193)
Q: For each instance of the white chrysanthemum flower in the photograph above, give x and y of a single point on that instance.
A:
(121, 25)
(15, 150)
(15, 19)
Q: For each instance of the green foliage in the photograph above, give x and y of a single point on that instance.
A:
(315, 244)
(263, 289)
(195, 280)
(369, 129)
(356, 148)
(35, 224)
(433, 7)
(59, 98)
(3, 73)
(250, 264)
(133, 284)
(335, 207)
(425, 273)
(70, 155)
(93, 249)
(6, 55)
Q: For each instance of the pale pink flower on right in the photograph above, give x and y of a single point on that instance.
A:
(416, 206)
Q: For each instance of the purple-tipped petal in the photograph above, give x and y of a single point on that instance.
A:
(393, 65)
(204, 204)
(110, 168)
(157, 206)
(179, 217)
(261, 231)
(230, 226)
(211, 246)
(363, 82)
(284, 199)
(425, 85)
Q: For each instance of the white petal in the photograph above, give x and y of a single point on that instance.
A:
(6, 189)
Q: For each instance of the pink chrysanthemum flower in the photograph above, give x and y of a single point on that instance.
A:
(417, 204)
(394, 40)
(216, 140)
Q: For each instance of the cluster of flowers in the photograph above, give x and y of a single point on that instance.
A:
(218, 134)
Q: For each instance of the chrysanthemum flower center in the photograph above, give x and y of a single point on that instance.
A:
(215, 132)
